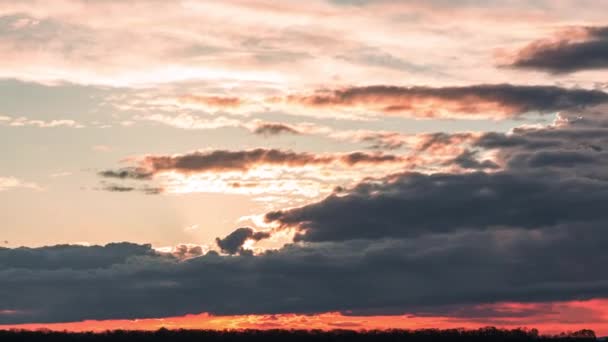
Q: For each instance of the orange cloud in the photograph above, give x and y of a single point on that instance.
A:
(493, 101)
(212, 101)
(242, 161)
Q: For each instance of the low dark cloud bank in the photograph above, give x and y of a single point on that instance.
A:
(420, 274)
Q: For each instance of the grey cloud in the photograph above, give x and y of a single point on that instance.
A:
(184, 251)
(413, 275)
(233, 243)
(465, 101)
(562, 159)
(148, 190)
(567, 55)
(384, 140)
(544, 176)
(469, 160)
(375, 158)
(118, 188)
(415, 204)
(430, 140)
(533, 231)
(71, 256)
(273, 128)
(127, 173)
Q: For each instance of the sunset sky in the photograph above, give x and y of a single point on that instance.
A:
(323, 163)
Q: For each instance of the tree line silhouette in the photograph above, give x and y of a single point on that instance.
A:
(278, 335)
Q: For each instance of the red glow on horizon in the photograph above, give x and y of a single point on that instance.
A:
(548, 318)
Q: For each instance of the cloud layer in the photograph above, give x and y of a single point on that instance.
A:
(389, 276)
(531, 229)
(484, 100)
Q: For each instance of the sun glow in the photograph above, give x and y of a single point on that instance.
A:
(548, 318)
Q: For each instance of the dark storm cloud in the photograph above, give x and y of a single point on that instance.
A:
(569, 54)
(233, 243)
(502, 100)
(274, 128)
(422, 274)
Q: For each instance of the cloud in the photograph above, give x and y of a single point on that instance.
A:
(7, 183)
(386, 276)
(127, 173)
(377, 139)
(532, 170)
(190, 121)
(101, 148)
(427, 244)
(126, 188)
(212, 100)
(225, 161)
(495, 101)
(576, 49)
(26, 122)
(118, 188)
(413, 204)
(274, 128)
(183, 251)
(362, 157)
(374, 58)
(233, 243)
(75, 257)
(294, 176)
(468, 160)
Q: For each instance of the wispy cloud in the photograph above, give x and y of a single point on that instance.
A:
(25, 122)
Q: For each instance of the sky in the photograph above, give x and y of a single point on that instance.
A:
(327, 163)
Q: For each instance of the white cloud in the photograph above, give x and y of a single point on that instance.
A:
(25, 122)
(7, 183)
(101, 148)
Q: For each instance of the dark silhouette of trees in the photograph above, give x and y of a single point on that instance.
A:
(422, 335)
